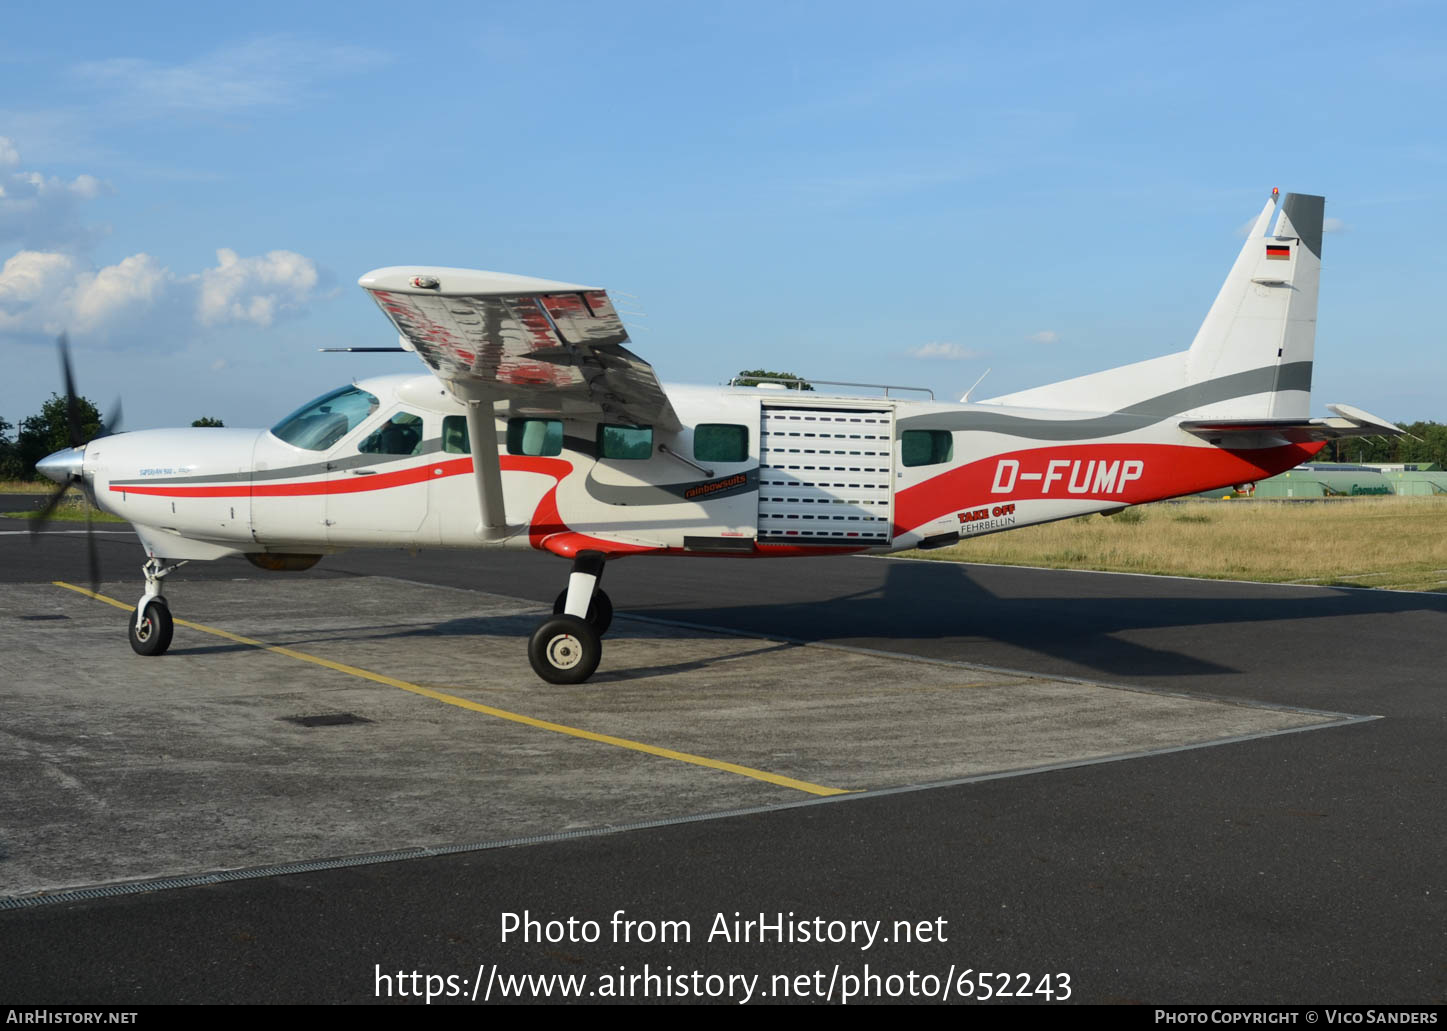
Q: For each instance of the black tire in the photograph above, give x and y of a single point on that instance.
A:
(565, 650)
(600, 609)
(156, 629)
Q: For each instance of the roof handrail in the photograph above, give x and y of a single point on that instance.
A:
(886, 387)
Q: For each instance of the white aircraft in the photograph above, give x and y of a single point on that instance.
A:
(584, 454)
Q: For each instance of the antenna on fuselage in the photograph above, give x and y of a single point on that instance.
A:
(966, 398)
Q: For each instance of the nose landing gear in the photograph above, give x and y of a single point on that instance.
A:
(151, 628)
(566, 649)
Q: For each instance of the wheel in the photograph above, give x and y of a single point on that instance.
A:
(600, 609)
(565, 650)
(153, 636)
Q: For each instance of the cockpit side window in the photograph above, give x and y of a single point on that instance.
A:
(319, 424)
(399, 435)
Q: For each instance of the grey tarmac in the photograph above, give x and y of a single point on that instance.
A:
(1298, 866)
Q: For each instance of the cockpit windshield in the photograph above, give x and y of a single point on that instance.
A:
(319, 424)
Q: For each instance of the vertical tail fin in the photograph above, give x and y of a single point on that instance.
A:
(1261, 331)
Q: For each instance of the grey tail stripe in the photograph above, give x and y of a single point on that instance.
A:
(1269, 378)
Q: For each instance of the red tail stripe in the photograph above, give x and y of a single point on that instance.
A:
(1170, 471)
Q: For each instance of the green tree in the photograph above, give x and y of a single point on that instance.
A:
(751, 378)
(10, 465)
(49, 431)
(1427, 443)
(206, 420)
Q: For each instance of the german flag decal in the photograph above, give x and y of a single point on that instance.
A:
(1278, 252)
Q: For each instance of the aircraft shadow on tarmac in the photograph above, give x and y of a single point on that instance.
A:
(514, 628)
(942, 601)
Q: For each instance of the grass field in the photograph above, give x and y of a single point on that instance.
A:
(26, 486)
(1396, 542)
(71, 510)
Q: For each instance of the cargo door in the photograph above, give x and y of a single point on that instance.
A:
(826, 475)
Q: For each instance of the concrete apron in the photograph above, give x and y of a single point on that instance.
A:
(428, 728)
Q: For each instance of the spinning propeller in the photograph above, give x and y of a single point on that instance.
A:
(66, 467)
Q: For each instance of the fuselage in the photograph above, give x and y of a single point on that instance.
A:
(752, 472)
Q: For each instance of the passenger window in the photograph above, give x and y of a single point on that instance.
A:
(399, 435)
(926, 447)
(454, 435)
(720, 442)
(535, 437)
(630, 442)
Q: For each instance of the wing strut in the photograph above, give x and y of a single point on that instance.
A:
(487, 470)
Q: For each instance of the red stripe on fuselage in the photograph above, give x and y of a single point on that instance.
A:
(1168, 471)
(547, 530)
(350, 484)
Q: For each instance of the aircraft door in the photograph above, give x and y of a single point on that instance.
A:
(826, 474)
(725, 443)
(378, 485)
(287, 506)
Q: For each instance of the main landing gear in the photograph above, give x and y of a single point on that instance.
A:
(566, 648)
(152, 626)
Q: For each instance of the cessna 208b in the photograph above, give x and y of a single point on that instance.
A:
(536, 428)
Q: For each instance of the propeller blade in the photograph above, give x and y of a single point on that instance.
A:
(38, 523)
(91, 555)
(113, 421)
(72, 405)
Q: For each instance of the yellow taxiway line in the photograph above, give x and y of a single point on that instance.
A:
(488, 710)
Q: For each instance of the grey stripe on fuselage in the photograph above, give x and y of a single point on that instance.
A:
(669, 493)
(1292, 376)
(358, 461)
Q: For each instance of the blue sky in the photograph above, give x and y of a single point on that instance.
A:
(908, 194)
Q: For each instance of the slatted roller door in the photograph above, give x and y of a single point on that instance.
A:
(825, 475)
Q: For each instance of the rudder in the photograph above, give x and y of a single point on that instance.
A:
(1261, 330)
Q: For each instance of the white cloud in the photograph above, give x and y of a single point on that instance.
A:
(1045, 336)
(8, 154)
(140, 300)
(50, 284)
(118, 295)
(34, 287)
(43, 211)
(256, 289)
(942, 349)
(271, 71)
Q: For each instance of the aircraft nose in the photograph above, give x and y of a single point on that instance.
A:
(63, 466)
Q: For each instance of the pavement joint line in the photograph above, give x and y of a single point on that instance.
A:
(1152, 576)
(488, 710)
(12, 902)
(65, 533)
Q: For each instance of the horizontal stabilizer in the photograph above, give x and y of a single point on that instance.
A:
(1350, 422)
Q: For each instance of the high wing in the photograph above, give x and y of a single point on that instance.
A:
(544, 347)
(1350, 422)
